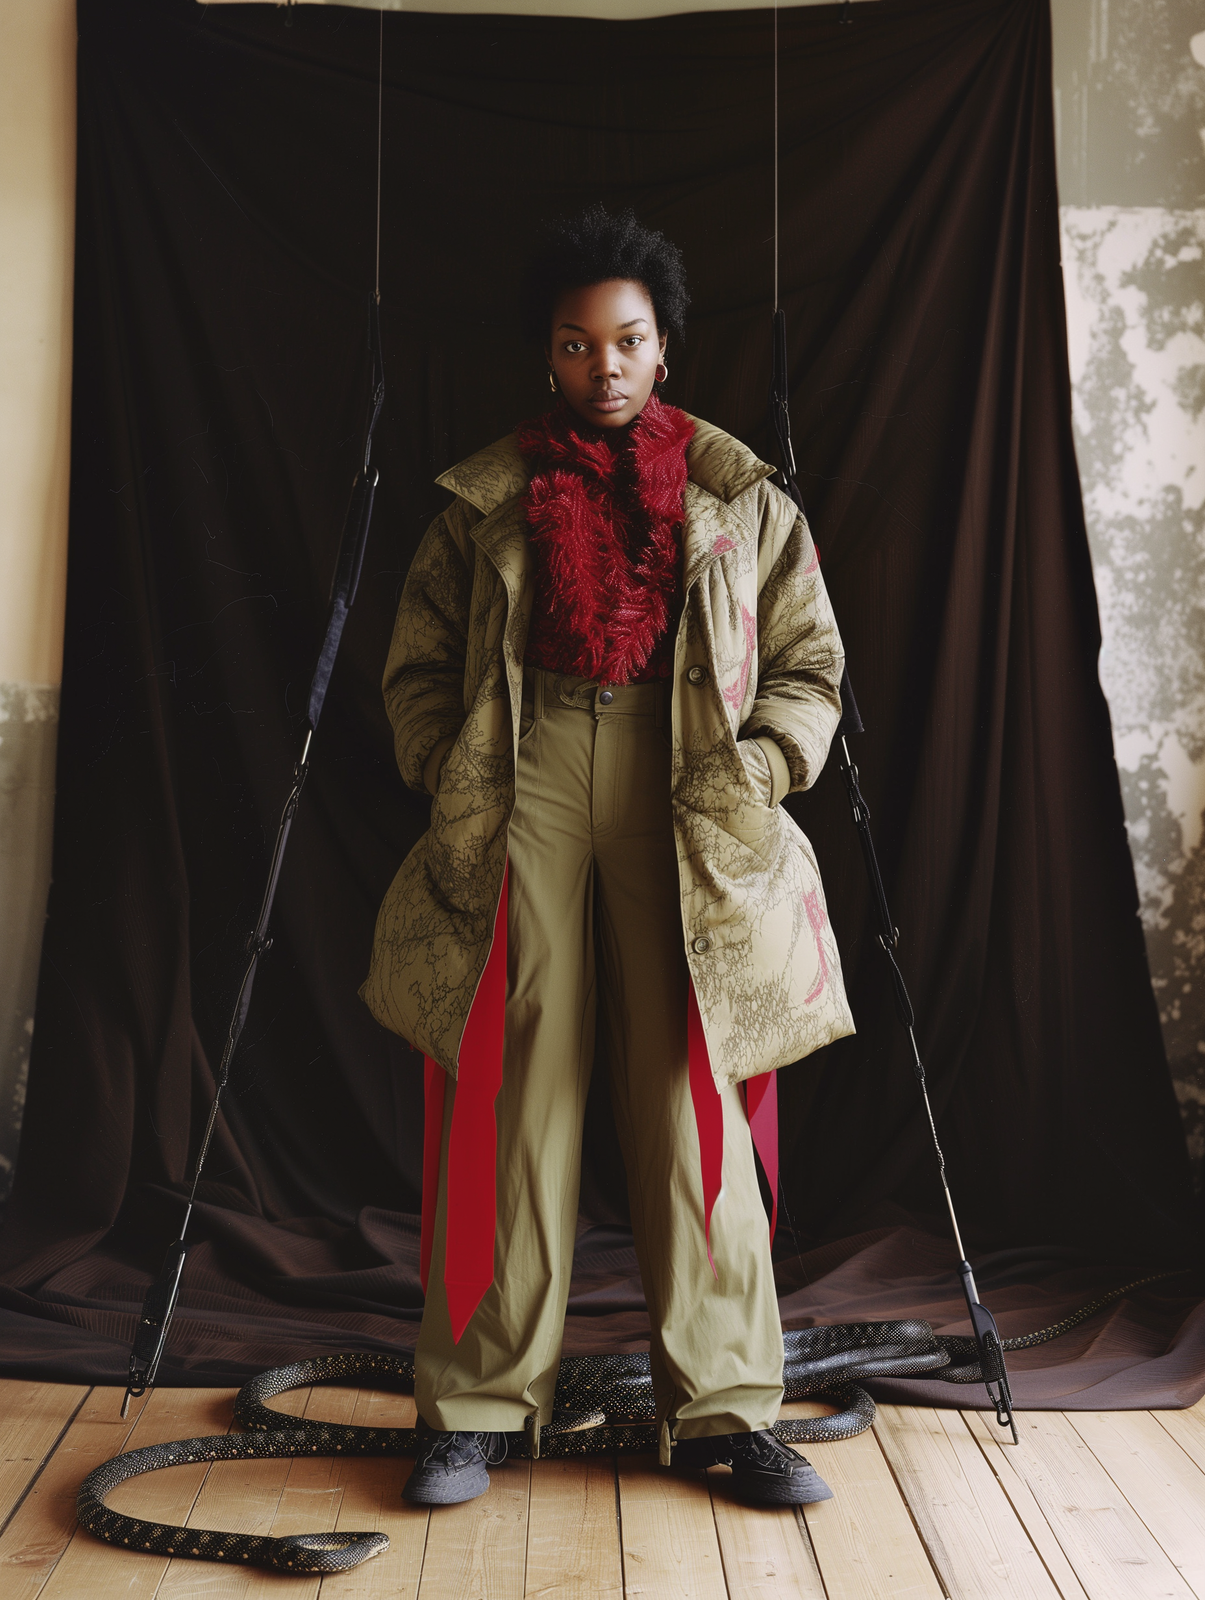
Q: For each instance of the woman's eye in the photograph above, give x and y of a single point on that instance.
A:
(634, 338)
(574, 346)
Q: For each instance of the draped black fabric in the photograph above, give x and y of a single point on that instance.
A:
(225, 257)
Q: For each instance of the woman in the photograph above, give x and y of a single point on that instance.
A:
(614, 656)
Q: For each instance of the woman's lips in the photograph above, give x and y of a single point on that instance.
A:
(608, 402)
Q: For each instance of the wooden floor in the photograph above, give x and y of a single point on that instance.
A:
(1095, 1505)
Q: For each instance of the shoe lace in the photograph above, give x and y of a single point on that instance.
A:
(765, 1450)
(491, 1447)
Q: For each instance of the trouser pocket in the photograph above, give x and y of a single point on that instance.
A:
(531, 707)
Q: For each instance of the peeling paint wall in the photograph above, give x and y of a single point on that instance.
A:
(28, 725)
(1130, 122)
(37, 227)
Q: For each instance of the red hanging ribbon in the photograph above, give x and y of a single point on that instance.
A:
(709, 1114)
(472, 1206)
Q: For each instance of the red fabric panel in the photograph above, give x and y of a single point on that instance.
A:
(433, 1132)
(709, 1114)
(761, 1104)
(473, 1147)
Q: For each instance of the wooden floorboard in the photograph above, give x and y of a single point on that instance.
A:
(1008, 1469)
(1187, 1428)
(478, 1551)
(671, 1548)
(1114, 1555)
(87, 1567)
(33, 1417)
(930, 1503)
(573, 1550)
(235, 1497)
(1160, 1480)
(43, 1525)
(372, 1503)
(966, 1521)
(766, 1553)
(865, 1540)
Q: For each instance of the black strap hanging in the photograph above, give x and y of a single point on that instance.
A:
(983, 1324)
(158, 1308)
(150, 1335)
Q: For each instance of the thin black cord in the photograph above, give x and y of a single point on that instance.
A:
(380, 106)
(776, 158)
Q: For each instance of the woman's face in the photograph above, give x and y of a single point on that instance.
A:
(605, 349)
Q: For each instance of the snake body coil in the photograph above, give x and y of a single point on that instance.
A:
(602, 1404)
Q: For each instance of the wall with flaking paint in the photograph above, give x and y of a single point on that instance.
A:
(37, 229)
(1129, 82)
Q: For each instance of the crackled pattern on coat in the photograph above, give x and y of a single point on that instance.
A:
(748, 875)
(435, 924)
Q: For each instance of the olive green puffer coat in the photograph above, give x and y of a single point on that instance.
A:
(755, 704)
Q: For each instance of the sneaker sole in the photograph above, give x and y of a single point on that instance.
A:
(446, 1488)
(797, 1490)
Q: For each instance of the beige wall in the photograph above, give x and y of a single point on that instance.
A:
(37, 190)
(37, 215)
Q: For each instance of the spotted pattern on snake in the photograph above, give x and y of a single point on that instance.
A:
(603, 1405)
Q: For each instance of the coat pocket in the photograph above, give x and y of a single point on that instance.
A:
(757, 770)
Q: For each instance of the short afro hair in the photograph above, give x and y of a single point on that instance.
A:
(593, 247)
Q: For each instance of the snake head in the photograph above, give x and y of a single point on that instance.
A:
(325, 1552)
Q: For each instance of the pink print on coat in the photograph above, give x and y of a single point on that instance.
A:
(722, 545)
(735, 692)
(817, 918)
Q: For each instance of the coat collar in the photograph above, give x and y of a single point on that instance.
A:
(715, 461)
(720, 469)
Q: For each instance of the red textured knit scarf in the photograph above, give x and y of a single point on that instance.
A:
(605, 515)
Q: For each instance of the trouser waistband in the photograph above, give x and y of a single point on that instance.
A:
(546, 691)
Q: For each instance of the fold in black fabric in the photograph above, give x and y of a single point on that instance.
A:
(257, 1303)
(225, 252)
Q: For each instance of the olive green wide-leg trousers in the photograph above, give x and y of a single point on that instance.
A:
(594, 920)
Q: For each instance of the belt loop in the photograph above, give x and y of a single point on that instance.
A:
(537, 693)
(659, 702)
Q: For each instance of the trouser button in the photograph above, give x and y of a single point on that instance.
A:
(605, 697)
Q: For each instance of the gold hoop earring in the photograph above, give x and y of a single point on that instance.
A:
(552, 383)
(662, 372)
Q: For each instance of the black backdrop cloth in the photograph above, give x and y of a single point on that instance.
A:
(225, 254)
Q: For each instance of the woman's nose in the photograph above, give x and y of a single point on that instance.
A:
(606, 364)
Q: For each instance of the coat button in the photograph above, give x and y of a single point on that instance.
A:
(697, 676)
(605, 697)
(701, 945)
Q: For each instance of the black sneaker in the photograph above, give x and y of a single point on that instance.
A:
(764, 1469)
(451, 1467)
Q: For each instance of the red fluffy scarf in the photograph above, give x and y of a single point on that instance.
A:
(605, 517)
